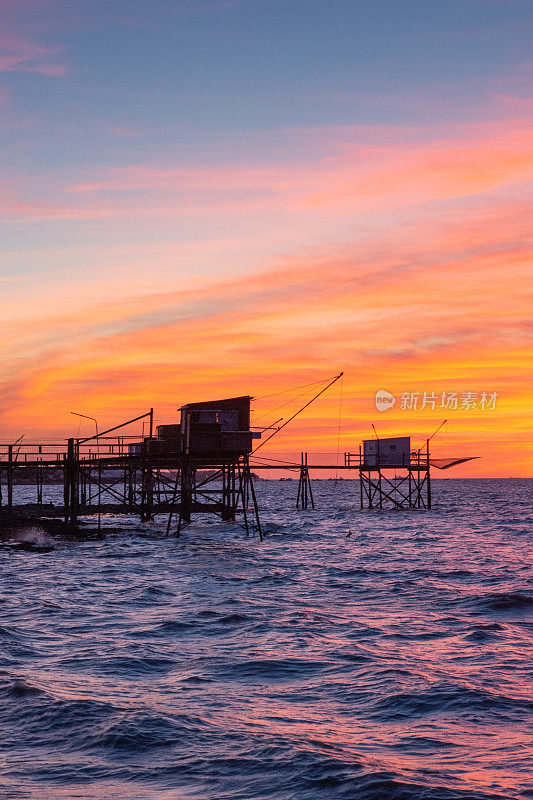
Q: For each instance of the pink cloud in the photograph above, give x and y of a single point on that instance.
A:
(121, 131)
(356, 174)
(22, 55)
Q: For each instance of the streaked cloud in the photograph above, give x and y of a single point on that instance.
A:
(394, 310)
(349, 177)
(22, 55)
(151, 257)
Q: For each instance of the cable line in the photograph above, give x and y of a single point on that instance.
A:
(335, 379)
(292, 389)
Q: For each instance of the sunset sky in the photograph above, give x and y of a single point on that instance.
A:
(207, 198)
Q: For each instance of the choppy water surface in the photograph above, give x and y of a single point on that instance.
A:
(350, 655)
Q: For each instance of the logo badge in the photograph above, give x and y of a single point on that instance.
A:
(384, 400)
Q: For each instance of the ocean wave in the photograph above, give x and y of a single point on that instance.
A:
(46, 721)
(169, 627)
(265, 669)
(19, 688)
(502, 602)
(388, 786)
(388, 665)
(446, 698)
(124, 666)
(138, 731)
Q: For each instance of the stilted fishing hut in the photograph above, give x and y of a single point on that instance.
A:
(408, 487)
(392, 473)
(198, 465)
(214, 437)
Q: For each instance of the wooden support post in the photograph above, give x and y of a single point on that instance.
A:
(309, 484)
(150, 474)
(225, 491)
(224, 480)
(88, 484)
(147, 484)
(66, 496)
(99, 495)
(185, 493)
(10, 477)
(361, 476)
(39, 483)
(39, 478)
(305, 492)
(229, 493)
(428, 478)
(173, 499)
(71, 484)
(158, 485)
(83, 485)
(131, 485)
(234, 492)
(228, 504)
(243, 484)
(301, 497)
(303, 473)
(248, 478)
(246, 495)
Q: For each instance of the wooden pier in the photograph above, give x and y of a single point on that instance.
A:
(200, 465)
(129, 476)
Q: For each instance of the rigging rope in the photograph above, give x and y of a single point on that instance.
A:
(286, 403)
(278, 461)
(312, 400)
(292, 389)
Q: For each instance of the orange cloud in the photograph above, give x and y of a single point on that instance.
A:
(433, 171)
(407, 266)
(399, 323)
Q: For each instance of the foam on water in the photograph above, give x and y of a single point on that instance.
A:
(350, 655)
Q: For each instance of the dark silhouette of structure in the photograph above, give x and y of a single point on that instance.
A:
(409, 487)
(199, 465)
(215, 436)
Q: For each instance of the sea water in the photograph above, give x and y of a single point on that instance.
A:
(361, 655)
